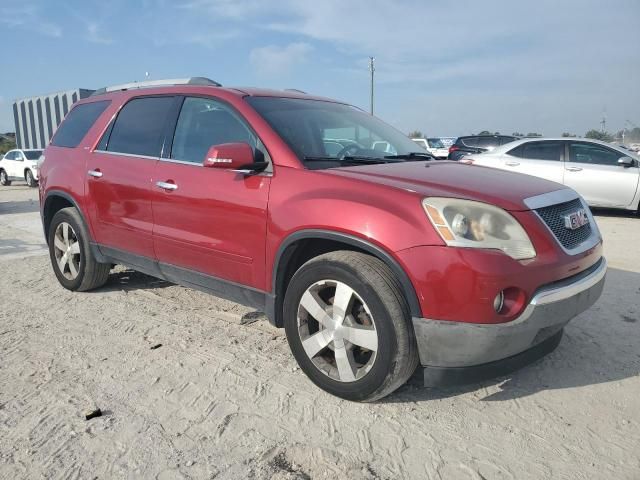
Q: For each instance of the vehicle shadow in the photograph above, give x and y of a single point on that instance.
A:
(128, 280)
(599, 346)
(614, 212)
(24, 206)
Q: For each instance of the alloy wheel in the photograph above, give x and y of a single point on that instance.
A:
(67, 251)
(337, 330)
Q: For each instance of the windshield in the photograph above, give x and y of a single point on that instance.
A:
(435, 143)
(330, 132)
(32, 154)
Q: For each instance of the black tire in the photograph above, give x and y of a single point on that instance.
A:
(4, 179)
(91, 274)
(28, 177)
(396, 356)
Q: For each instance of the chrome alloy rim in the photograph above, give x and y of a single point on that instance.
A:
(337, 331)
(66, 249)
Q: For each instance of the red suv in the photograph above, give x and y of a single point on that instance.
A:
(373, 260)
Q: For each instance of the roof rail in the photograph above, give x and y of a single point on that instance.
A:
(158, 83)
(295, 90)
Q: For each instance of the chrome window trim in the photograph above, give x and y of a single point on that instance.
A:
(562, 196)
(122, 154)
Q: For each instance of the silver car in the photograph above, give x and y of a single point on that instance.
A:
(605, 175)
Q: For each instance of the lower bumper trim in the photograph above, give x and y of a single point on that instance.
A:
(453, 376)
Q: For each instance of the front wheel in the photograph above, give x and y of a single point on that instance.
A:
(4, 179)
(70, 253)
(28, 177)
(349, 326)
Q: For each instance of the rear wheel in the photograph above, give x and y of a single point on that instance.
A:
(349, 327)
(4, 179)
(70, 253)
(28, 176)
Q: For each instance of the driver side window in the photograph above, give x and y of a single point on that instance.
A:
(204, 122)
(593, 154)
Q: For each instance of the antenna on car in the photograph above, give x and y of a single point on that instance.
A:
(202, 81)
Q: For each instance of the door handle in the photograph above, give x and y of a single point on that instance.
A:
(573, 169)
(167, 185)
(512, 164)
(95, 173)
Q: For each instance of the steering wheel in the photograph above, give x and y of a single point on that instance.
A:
(343, 152)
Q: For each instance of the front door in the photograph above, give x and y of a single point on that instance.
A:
(209, 220)
(593, 171)
(119, 176)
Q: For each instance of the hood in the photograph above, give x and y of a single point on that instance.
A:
(506, 190)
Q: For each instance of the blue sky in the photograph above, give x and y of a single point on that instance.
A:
(446, 68)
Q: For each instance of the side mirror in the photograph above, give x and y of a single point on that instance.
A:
(626, 162)
(237, 157)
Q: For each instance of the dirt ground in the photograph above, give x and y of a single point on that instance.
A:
(222, 397)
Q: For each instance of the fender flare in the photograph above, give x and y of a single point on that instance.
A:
(360, 243)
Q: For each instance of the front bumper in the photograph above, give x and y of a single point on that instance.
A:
(454, 345)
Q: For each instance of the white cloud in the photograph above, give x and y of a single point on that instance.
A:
(96, 35)
(272, 60)
(28, 17)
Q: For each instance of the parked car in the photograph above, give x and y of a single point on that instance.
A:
(477, 144)
(20, 164)
(373, 263)
(605, 175)
(434, 146)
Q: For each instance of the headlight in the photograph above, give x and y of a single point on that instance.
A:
(464, 223)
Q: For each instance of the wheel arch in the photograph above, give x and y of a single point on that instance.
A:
(303, 245)
(54, 201)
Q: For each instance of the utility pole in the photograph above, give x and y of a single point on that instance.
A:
(603, 124)
(372, 68)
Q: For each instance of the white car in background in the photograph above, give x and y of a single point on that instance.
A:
(605, 175)
(434, 146)
(20, 164)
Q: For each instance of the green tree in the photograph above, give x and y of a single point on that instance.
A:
(533, 134)
(416, 134)
(568, 135)
(485, 132)
(598, 135)
(517, 134)
(6, 144)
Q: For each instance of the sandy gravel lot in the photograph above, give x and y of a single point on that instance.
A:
(222, 397)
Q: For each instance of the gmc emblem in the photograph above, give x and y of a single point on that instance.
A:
(576, 219)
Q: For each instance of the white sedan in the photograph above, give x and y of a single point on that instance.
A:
(605, 175)
(20, 164)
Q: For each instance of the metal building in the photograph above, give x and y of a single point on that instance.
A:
(36, 118)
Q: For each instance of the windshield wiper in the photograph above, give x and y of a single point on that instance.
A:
(412, 156)
(352, 159)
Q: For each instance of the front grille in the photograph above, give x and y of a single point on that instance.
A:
(553, 216)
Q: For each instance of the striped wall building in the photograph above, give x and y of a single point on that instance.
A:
(36, 118)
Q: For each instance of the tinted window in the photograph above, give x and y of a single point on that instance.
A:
(469, 142)
(539, 151)
(77, 123)
(590, 153)
(10, 156)
(435, 143)
(503, 140)
(139, 128)
(203, 123)
(33, 154)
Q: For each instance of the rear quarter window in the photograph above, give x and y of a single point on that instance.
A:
(77, 123)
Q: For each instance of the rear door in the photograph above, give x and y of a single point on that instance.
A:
(593, 171)
(540, 158)
(9, 163)
(214, 220)
(120, 174)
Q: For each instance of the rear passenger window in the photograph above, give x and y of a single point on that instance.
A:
(204, 122)
(139, 128)
(541, 150)
(77, 123)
